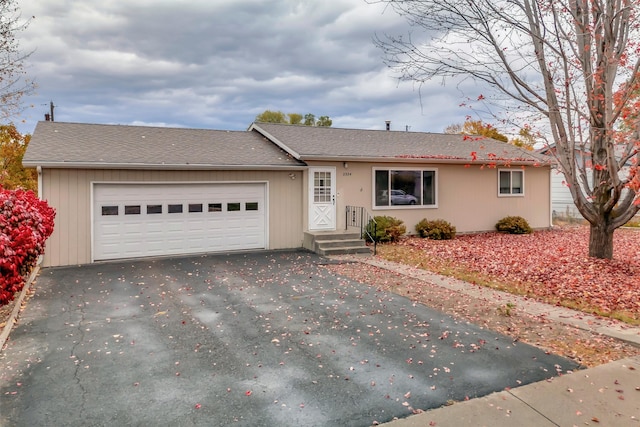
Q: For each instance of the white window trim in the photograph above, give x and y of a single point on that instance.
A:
(511, 194)
(393, 207)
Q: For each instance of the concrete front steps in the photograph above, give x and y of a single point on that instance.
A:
(335, 243)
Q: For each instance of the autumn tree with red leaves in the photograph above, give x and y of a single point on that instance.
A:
(570, 67)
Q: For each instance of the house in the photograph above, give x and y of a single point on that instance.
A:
(133, 191)
(562, 205)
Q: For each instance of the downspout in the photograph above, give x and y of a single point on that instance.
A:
(551, 197)
(39, 170)
(40, 193)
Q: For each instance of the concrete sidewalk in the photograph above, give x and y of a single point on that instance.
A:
(607, 395)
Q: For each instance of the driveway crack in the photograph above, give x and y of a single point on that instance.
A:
(74, 355)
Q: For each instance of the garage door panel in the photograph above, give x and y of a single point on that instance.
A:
(156, 228)
(196, 226)
(200, 222)
(174, 246)
(173, 226)
(110, 230)
(155, 246)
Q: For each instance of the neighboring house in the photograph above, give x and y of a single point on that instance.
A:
(562, 204)
(132, 191)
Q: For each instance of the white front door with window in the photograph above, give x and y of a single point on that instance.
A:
(322, 199)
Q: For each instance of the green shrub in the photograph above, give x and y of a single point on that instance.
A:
(513, 225)
(387, 229)
(437, 229)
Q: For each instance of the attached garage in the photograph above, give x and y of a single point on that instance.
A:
(124, 192)
(138, 220)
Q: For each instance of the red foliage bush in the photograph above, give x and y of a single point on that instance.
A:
(25, 224)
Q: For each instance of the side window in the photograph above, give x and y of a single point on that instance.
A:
(382, 188)
(429, 187)
(510, 182)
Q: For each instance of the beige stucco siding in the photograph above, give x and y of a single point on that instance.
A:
(69, 192)
(467, 197)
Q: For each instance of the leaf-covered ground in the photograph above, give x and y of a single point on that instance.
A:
(551, 265)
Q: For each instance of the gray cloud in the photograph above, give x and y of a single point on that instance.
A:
(217, 64)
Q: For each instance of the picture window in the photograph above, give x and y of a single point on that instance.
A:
(405, 187)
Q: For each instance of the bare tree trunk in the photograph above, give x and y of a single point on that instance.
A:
(601, 240)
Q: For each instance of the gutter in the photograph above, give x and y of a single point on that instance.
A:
(148, 166)
(459, 161)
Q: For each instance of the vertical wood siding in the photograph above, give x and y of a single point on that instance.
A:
(69, 192)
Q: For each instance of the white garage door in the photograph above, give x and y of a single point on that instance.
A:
(138, 220)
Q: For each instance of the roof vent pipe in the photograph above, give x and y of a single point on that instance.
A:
(388, 123)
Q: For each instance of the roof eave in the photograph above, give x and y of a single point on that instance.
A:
(149, 166)
(414, 160)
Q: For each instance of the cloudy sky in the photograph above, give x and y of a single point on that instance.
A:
(218, 63)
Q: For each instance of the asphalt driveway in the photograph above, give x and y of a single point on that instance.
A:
(260, 339)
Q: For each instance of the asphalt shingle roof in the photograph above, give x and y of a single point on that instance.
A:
(94, 145)
(59, 144)
(322, 142)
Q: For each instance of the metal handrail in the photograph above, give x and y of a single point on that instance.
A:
(359, 217)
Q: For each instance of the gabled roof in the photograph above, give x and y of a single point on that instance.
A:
(58, 144)
(326, 143)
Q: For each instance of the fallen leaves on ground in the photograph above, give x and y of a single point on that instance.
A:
(550, 265)
(587, 348)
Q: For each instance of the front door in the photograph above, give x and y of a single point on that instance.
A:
(322, 199)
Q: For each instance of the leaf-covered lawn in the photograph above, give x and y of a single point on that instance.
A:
(551, 265)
